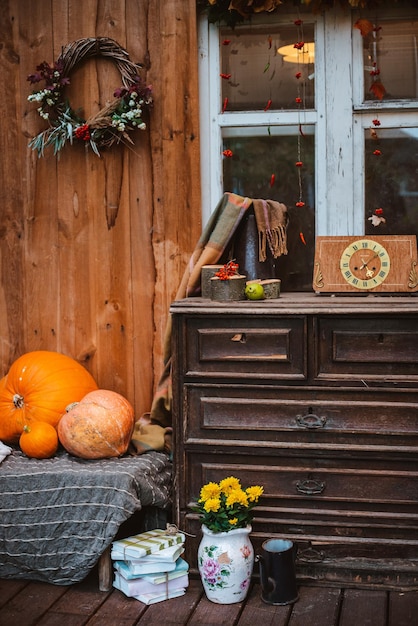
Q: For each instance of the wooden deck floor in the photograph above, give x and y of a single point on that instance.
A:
(27, 603)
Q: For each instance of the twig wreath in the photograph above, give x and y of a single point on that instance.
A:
(112, 124)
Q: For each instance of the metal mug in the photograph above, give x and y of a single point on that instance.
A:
(277, 571)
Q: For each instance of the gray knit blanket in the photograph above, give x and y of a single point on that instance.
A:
(58, 515)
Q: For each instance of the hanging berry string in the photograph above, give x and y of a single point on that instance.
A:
(300, 102)
(269, 101)
(377, 217)
(371, 31)
(225, 75)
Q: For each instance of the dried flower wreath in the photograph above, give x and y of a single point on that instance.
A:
(112, 123)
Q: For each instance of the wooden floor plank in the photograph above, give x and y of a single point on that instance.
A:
(32, 601)
(176, 611)
(317, 605)
(26, 603)
(60, 619)
(211, 614)
(118, 609)
(364, 608)
(9, 588)
(258, 612)
(78, 600)
(403, 608)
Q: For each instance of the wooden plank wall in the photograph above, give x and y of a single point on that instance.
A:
(92, 249)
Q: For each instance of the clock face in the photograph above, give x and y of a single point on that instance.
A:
(365, 264)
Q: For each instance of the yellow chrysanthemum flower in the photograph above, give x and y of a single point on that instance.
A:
(254, 493)
(228, 484)
(209, 491)
(237, 496)
(212, 505)
(227, 499)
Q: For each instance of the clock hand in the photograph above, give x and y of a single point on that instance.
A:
(365, 263)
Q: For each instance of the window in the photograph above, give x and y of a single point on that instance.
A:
(261, 63)
(391, 181)
(391, 50)
(329, 128)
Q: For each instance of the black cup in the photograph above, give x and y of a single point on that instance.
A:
(277, 571)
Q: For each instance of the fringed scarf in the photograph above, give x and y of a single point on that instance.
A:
(272, 220)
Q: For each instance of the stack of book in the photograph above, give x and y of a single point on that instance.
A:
(149, 567)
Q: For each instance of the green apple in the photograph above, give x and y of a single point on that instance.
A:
(254, 291)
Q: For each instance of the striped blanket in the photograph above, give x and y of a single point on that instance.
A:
(213, 245)
(58, 515)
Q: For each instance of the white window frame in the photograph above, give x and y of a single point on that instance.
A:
(340, 118)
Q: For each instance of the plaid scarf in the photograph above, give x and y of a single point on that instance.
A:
(271, 218)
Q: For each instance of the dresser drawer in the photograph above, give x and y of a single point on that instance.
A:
(341, 487)
(246, 347)
(368, 348)
(346, 509)
(271, 417)
(329, 554)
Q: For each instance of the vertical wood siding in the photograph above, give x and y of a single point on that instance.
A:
(92, 249)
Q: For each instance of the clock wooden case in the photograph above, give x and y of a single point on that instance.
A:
(366, 263)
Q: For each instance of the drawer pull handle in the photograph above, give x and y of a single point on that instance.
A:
(310, 487)
(240, 337)
(310, 420)
(310, 555)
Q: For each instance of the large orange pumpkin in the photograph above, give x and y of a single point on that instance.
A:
(99, 426)
(38, 386)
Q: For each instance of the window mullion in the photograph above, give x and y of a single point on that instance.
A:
(338, 112)
(209, 106)
(320, 132)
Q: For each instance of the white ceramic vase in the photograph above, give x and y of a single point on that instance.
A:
(225, 562)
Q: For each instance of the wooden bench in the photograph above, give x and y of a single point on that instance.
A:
(59, 516)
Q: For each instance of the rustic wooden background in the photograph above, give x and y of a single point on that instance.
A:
(92, 249)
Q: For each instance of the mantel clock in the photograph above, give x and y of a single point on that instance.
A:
(363, 264)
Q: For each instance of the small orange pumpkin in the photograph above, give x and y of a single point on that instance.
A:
(39, 440)
(99, 426)
(38, 386)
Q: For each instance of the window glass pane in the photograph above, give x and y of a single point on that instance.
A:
(260, 65)
(392, 51)
(391, 163)
(263, 166)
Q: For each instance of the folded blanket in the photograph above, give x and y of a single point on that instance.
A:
(213, 242)
(213, 245)
(147, 436)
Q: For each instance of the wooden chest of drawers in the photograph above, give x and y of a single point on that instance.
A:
(315, 398)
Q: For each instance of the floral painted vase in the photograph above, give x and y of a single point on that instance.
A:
(225, 562)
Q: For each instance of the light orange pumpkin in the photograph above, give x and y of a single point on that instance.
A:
(39, 386)
(99, 426)
(39, 440)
